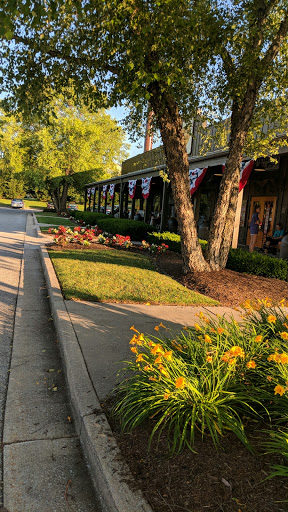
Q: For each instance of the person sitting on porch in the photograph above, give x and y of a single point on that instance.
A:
(254, 228)
(273, 241)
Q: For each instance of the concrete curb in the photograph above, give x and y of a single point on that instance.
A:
(111, 476)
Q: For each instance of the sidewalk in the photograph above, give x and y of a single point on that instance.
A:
(95, 341)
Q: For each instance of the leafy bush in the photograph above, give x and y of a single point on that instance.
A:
(239, 260)
(171, 239)
(214, 377)
(257, 264)
(126, 227)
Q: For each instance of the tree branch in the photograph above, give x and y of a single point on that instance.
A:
(83, 60)
(276, 44)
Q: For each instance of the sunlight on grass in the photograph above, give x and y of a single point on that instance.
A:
(29, 204)
(54, 220)
(116, 276)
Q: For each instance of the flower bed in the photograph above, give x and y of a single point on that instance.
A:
(215, 377)
(78, 235)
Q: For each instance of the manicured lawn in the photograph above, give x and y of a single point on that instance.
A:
(54, 220)
(116, 276)
(29, 204)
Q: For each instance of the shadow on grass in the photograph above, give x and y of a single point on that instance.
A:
(113, 257)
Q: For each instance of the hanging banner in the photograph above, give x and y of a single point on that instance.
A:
(245, 171)
(146, 183)
(93, 191)
(104, 191)
(88, 192)
(195, 178)
(132, 188)
(112, 190)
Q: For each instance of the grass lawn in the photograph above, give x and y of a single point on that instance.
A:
(54, 220)
(29, 204)
(118, 276)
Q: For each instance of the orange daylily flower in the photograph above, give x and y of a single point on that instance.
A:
(158, 360)
(209, 359)
(157, 349)
(168, 355)
(133, 329)
(161, 325)
(220, 330)
(156, 328)
(269, 378)
(271, 319)
(251, 364)
(258, 338)
(164, 372)
(166, 396)
(232, 361)
(197, 327)
(284, 358)
(134, 349)
(237, 351)
(140, 358)
(279, 390)
(180, 383)
(207, 338)
(284, 335)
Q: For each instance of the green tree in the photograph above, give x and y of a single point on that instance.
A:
(11, 157)
(72, 140)
(168, 54)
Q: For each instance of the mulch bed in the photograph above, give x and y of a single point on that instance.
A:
(229, 479)
(228, 287)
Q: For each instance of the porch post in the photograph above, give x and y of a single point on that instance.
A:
(99, 199)
(85, 199)
(112, 205)
(237, 220)
(121, 199)
(94, 199)
(105, 204)
(148, 207)
(164, 207)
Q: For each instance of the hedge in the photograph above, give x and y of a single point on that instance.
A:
(126, 227)
(238, 260)
(257, 264)
(170, 239)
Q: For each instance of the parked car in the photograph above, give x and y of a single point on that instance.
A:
(50, 206)
(72, 207)
(17, 203)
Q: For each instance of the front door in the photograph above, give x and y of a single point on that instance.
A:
(266, 216)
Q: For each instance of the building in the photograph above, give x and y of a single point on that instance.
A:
(266, 186)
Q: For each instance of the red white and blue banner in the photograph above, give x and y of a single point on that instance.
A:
(112, 190)
(132, 188)
(88, 192)
(105, 191)
(93, 191)
(245, 171)
(195, 178)
(146, 184)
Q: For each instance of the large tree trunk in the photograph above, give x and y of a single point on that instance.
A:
(59, 196)
(221, 230)
(171, 129)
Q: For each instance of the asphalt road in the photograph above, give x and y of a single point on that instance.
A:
(12, 232)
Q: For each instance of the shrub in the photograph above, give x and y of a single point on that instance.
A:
(214, 377)
(171, 239)
(257, 264)
(136, 230)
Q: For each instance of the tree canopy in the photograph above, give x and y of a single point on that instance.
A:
(71, 140)
(225, 59)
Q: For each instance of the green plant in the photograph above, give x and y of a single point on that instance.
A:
(257, 264)
(136, 230)
(209, 378)
(171, 239)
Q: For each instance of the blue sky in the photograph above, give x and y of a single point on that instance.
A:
(119, 114)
